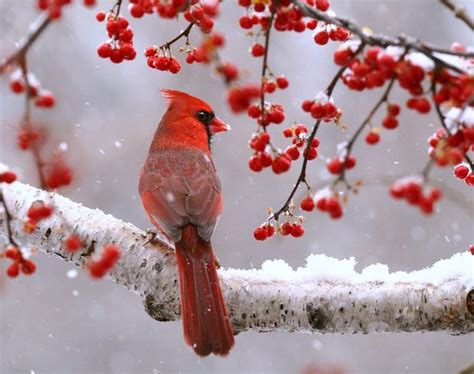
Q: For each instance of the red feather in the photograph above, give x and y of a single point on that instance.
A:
(181, 193)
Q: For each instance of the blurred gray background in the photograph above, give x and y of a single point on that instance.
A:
(107, 114)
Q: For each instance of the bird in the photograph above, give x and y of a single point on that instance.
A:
(182, 196)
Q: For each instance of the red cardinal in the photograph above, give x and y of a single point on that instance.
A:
(182, 196)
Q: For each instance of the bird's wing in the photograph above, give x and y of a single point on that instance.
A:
(181, 187)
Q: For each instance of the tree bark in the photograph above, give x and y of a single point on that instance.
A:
(325, 296)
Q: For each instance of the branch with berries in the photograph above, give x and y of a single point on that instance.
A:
(325, 296)
(367, 61)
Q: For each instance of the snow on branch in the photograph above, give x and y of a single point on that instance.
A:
(326, 296)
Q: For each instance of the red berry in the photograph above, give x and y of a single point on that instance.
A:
(104, 50)
(260, 233)
(471, 248)
(372, 138)
(322, 5)
(265, 159)
(257, 50)
(293, 152)
(137, 11)
(321, 37)
(287, 133)
(281, 164)
(13, 270)
(461, 171)
(245, 22)
(306, 105)
(17, 86)
(39, 210)
(307, 204)
(13, 253)
(350, 162)
(285, 229)
(390, 123)
(28, 267)
(393, 109)
(73, 243)
(282, 82)
(296, 230)
(100, 16)
(321, 204)
(270, 230)
(470, 180)
(334, 166)
(254, 164)
(8, 177)
(311, 154)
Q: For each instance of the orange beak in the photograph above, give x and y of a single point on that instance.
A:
(217, 125)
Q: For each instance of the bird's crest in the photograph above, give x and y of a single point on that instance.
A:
(177, 97)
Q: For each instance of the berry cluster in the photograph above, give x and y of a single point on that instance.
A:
(194, 11)
(106, 262)
(41, 98)
(322, 108)
(267, 230)
(455, 89)
(450, 149)
(157, 59)
(325, 32)
(120, 45)
(26, 266)
(411, 189)
(337, 165)
(390, 121)
(201, 14)
(464, 172)
(372, 71)
(329, 202)
(299, 137)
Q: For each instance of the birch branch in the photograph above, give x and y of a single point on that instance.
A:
(325, 296)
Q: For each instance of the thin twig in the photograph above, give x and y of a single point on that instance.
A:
(459, 12)
(184, 33)
(36, 30)
(302, 175)
(365, 122)
(26, 123)
(265, 68)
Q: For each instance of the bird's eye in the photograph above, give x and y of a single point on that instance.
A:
(205, 117)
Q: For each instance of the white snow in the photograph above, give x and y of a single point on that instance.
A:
(462, 63)
(72, 273)
(322, 268)
(417, 58)
(458, 115)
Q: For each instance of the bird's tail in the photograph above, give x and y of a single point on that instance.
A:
(206, 325)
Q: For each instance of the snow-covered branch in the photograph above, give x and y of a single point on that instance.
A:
(326, 296)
